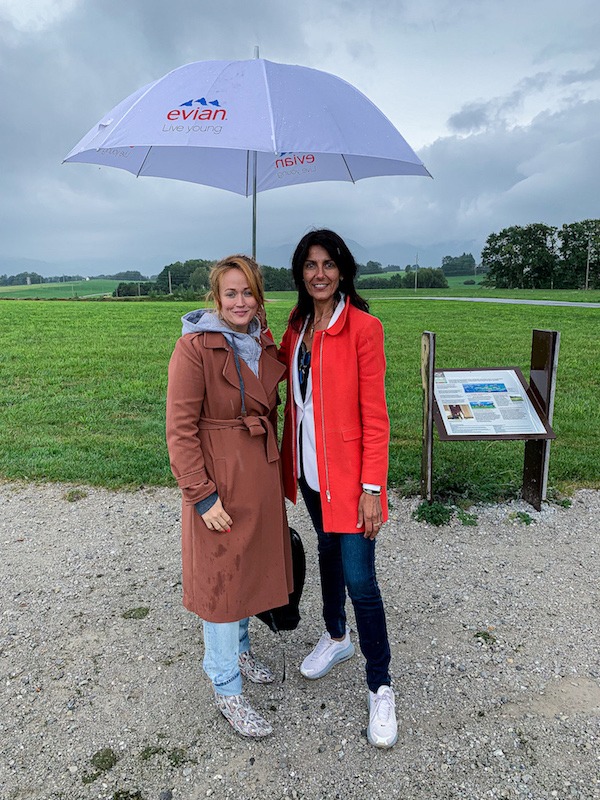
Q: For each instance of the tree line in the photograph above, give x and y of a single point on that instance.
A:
(539, 256)
(23, 278)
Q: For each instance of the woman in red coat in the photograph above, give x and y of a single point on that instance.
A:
(335, 447)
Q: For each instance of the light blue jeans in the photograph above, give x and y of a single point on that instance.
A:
(223, 642)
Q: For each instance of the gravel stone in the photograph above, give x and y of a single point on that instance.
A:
(495, 661)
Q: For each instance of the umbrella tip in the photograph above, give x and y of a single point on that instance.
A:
(256, 51)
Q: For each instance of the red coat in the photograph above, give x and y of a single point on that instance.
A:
(351, 420)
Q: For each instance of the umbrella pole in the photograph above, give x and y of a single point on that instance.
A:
(254, 154)
(256, 55)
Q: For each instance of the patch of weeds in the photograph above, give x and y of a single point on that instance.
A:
(136, 613)
(523, 518)
(124, 794)
(409, 488)
(466, 518)
(104, 759)
(485, 636)
(178, 756)
(150, 751)
(89, 777)
(558, 498)
(565, 502)
(74, 495)
(433, 513)
(478, 487)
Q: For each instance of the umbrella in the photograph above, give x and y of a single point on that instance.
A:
(248, 126)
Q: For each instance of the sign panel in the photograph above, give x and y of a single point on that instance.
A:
(492, 403)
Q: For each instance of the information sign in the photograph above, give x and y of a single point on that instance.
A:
(485, 404)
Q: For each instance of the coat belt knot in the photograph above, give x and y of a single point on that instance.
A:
(255, 425)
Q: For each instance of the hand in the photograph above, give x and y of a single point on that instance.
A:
(217, 519)
(370, 514)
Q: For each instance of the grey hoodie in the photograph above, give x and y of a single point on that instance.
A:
(247, 345)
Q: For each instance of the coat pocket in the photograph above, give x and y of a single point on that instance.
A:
(353, 433)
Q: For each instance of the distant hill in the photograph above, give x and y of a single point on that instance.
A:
(400, 253)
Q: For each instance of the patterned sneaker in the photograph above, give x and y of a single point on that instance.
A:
(243, 718)
(326, 655)
(253, 669)
(383, 728)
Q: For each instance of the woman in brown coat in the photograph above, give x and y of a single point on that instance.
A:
(221, 415)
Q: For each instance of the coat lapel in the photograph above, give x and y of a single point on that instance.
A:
(270, 370)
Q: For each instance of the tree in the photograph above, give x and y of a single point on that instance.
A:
(459, 265)
(20, 279)
(128, 275)
(199, 279)
(180, 274)
(370, 268)
(427, 278)
(521, 257)
(577, 240)
(277, 279)
(134, 289)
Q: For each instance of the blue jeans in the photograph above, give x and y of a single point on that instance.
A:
(347, 560)
(223, 642)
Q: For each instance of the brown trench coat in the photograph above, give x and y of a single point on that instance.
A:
(228, 576)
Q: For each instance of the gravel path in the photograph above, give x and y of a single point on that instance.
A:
(493, 630)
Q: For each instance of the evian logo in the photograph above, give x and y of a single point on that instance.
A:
(294, 160)
(294, 164)
(198, 110)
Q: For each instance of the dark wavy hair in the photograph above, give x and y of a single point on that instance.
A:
(344, 261)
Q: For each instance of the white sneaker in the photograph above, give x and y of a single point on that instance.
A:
(383, 728)
(326, 655)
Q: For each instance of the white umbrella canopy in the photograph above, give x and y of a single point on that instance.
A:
(248, 126)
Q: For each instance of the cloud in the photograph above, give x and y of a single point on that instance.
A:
(501, 99)
(545, 171)
(477, 115)
(581, 76)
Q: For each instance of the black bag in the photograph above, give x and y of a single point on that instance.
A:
(286, 618)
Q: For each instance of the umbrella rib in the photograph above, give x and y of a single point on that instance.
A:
(269, 104)
(143, 162)
(348, 168)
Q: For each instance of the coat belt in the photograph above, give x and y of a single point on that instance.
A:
(256, 426)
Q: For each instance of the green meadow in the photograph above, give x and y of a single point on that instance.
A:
(83, 385)
(47, 291)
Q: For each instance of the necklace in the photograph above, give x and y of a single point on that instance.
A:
(316, 322)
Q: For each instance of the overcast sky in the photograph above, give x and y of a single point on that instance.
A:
(499, 98)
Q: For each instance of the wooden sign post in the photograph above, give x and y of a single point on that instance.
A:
(492, 404)
(427, 367)
(542, 379)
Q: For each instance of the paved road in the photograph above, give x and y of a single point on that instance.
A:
(497, 300)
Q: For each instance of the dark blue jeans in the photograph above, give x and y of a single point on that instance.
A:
(347, 560)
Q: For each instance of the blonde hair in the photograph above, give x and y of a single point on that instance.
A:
(251, 271)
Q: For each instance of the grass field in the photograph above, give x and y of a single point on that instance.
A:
(83, 389)
(47, 291)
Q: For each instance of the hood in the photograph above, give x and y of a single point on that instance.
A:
(203, 320)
